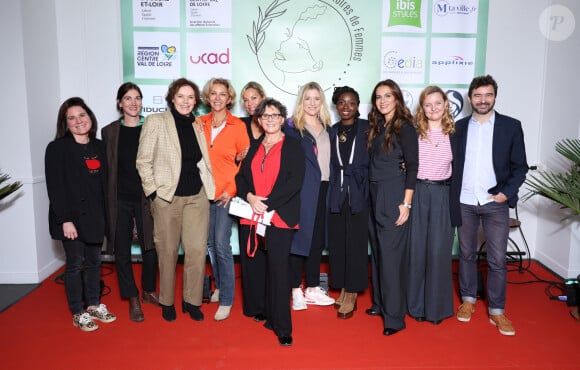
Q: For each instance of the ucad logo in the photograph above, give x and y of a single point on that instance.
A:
(211, 58)
(442, 8)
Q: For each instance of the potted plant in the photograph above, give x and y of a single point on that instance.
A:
(562, 188)
(8, 189)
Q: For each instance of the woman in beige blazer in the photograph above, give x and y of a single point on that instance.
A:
(174, 166)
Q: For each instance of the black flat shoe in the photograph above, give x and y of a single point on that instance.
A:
(259, 318)
(168, 312)
(285, 340)
(373, 311)
(194, 311)
(420, 318)
(390, 331)
(436, 322)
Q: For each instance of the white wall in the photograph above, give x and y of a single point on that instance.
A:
(63, 48)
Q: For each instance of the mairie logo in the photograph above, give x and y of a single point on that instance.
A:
(443, 8)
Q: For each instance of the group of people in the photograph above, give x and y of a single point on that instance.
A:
(402, 182)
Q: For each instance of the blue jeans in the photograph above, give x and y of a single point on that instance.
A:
(494, 219)
(85, 286)
(220, 251)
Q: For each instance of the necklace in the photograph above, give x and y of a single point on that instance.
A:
(215, 122)
(343, 135)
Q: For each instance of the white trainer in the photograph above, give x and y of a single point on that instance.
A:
(317, 296)
(298, 302)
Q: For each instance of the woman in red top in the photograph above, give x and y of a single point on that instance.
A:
(270, 179)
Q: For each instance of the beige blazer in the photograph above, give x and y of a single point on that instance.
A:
(159, 157)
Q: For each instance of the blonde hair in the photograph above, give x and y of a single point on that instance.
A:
(420, 118)
(298, 116)
(219, 81)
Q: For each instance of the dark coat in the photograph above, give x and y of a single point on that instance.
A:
(309, 196)
(67, 182)
(509, 161)
(356, 174)
(285, 195)
(110, 135)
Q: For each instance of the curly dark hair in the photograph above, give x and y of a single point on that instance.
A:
(338, 91)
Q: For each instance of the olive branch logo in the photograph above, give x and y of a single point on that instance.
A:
(264, 20)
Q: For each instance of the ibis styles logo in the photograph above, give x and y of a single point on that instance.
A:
(405, 13)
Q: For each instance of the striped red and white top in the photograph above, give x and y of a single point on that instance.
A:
(435, 156)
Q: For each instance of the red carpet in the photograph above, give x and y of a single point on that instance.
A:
(37, 333)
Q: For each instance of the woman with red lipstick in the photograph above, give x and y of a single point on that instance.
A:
(128, 206)
(348, 202)
(76, 181)
(394, 157)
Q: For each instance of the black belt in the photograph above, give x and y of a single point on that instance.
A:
(446, 182)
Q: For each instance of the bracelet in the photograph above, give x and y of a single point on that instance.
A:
(405, 204)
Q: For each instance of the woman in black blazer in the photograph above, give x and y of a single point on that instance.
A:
(349, 202)
(270, 179)
(127, 205)
(76, 182)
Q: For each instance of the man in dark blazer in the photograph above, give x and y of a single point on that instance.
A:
(489, 166)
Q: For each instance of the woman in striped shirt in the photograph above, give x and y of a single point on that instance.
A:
(430, 289)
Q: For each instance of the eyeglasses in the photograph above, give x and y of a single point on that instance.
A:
(268, 117)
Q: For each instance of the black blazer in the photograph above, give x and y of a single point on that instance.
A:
(285, 195)
(110, 135)
(509, 160)
(66, 183)
(356, 174)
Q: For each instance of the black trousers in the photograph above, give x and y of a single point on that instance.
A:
(82, 287)
(348, 249)
(253, 274)
(126, 213)
(312, 261)
(265, 277)
(391, 252)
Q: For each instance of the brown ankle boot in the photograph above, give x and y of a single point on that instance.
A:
(348, 306)
(135, 311)
(339, 300)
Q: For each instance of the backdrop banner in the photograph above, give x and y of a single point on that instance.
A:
(284, 44)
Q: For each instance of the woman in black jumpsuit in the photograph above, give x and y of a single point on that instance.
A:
(394, 155)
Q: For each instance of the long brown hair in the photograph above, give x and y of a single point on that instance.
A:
(421, 121)
(377, 120)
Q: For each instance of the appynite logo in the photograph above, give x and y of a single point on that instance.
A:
(405, 13)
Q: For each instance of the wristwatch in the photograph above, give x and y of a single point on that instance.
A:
(405, 204)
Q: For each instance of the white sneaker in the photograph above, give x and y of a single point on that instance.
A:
(298, 302)
(222, 313)
(215, 297)
(101, 313)
(318, 296)
(84, 322)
